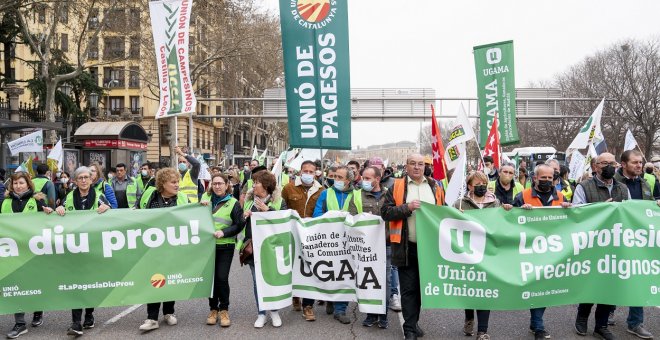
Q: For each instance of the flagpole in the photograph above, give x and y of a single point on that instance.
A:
(640, 150)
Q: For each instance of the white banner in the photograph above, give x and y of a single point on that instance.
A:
(170, 25)
(577, 166)
(462, 131)
(334, 257)
(33, 142)
(630, 142)
(456, 187)
(590, 133)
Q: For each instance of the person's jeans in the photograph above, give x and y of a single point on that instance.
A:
(393, 275)
(536, 319)
(154, 308)
(411, 300)
(635, 317)
(223, 256)
(340, 307)
(76, 314)
(602, 313)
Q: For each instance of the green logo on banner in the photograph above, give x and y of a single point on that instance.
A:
(462, 241)
(277, 259)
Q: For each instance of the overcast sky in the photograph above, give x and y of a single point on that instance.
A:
(428, 44)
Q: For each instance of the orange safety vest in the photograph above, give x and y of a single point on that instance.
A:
(399, 188)
(536, 202)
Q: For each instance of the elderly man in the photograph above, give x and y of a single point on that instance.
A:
(399, 207)
(600, 188)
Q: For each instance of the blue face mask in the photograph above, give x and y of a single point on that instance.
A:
(367, 186)
(183, 167)
(339, 185)
(307, 178)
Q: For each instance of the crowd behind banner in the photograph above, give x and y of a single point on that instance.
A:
(391, 191)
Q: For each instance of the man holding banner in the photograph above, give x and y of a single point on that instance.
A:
(399, 207)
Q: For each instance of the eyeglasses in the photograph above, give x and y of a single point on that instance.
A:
(419, 165)
(85, 178)
(217, 184)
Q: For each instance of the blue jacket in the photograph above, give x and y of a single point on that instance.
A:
(109, 194)
(321, 207)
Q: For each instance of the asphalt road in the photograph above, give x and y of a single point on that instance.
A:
(123, 322)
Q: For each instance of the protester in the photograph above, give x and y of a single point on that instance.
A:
(228, 222)
(523, 178)
(3, 172)
(101, 186)
(560, 183)
(165, 194)
(479, 197)
(542, 194)
(301, 195)
(84, 197)
(65, 186)
(601, 188)
(125, 188)
(264, 196)
(354, 166)
(652, 180)
(372, 199)
(505, 188)
(234, 183)
(245, 172)
(22, 198)
(42, 183)
(630, 175)
(489, 168)
(400, 203)
(329, 179)
(189, 168)
(247, 185)
(145, 178)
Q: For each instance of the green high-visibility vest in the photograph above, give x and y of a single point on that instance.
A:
(181, 198)
(68, 206)
(222, 219)
(141, 184)
(242, 175)
(30, 206)
(333, 204)
(247, 205)
(131, 191)
(249, 184)
(517, 187)
(39, 183)
(650, 179)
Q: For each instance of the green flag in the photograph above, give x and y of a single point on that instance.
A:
(496, 90)
(316, 68)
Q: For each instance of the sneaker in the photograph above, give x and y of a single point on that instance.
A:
(420, 331)
(149, 325)
(329, 308)
(395, 303)
(370, 320)
(382, 321)
(224, 319)
(17, 331)
(261, 321)
(37, 319)
(468, 327)
(75, 329)
(604, 333)
(89, 321)
(170, 319)
(640, 331)
(212, 319)
(581, 325)
(610, 319)
(297, 304)
(308, 313)
(343, 318)
(275, 318)
(543, 334)
(481, 336)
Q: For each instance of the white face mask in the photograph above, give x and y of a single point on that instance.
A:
(144, 173)
(64, 180)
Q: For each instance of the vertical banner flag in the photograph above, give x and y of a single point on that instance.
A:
(456, 187)
(631, 143)
(170, 25)
(33, 142)
(316, 69)
(493, 144)
(577, 166)
(590, 132)
(496, 90)
(438, 149)
(458, 138)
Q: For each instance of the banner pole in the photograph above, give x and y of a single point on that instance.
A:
(640, 150)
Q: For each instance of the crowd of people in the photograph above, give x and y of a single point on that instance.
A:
(390, 192)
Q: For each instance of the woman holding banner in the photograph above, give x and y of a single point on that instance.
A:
(84, 197)
(21, 199)
(166, 194)
(228, 222)
(477, 197)
(100, 185)
(264, 196)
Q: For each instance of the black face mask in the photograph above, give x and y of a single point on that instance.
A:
(428, 171)
(544, 186)
(649, 171)
(555, 176)
(480, 190)
(607, 172)
(330, 181)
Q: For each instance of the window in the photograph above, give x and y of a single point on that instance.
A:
(135, 104)
(134, 49)
(64, 13)
(93, 51)
(116, 105)
(94, 74)
(115, 19)
(113, 47)
(134, 19)
(93, 22)
(41, 13)
(134, 77)
(113, 77)
(64, 40)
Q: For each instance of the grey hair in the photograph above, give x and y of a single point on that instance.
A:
(508, 164)
(349, 172)
(80, 171)
(538, 167)
(551, 161)
(333, 168)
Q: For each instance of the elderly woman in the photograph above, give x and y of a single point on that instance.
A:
(228, 222)
(477, 197)
(166, 194)
(102, 186)
(83, 197)
(264, 196)
(21, 199)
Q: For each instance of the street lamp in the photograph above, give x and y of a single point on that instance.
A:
(66, 89)
(94, 103)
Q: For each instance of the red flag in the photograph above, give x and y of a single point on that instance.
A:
(493, 144)
(439, 172)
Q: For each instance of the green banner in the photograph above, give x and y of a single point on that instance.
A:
(520, 259)
(120, 257)
(317, 74)
(496, 90)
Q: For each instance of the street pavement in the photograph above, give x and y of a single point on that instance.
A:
(123, 322)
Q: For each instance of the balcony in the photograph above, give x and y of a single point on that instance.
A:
(118, 111)
(31, 113)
